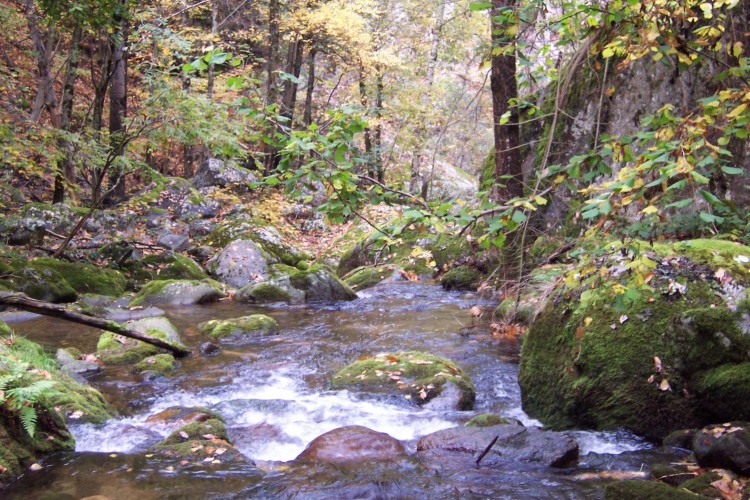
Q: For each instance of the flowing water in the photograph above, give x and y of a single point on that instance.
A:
(274, 394)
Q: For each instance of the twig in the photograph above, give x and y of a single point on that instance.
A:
(487, 450)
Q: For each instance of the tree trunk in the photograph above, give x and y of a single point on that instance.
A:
(274, 39)
(211, 69)
(293, 67)
(310, 86)
(508, 174)
(363, 98)
(421, 132)
(68, 174)
(43, 46)
(21, 301)
(378, 149)
(118, 107)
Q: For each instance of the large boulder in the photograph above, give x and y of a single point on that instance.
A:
(239, 264)
(514, 443)
(423, 378)
(178, 293)
(352, 444)
(115, 349)
(201, 441)
(653, 365)
(214, 172)
(312, 285)
(725, 446)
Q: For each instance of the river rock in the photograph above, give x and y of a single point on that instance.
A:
(350, 444)
(515, 443)
(173, 266)
(724, 446)
(673, 358)
(423, 378)
(173, 241)
(313, 285)
(461, 278)
(203, 208)
(117, 350)
(183, 415)
(200, 441)
(178, 293)
(239, 264)
(255, 324)
(367, 276)
(214, 172)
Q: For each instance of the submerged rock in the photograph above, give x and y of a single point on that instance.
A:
(514, 443)
(201, 441)
(115, 349)
(313, 285)
(675, 356)
(239, 264)
(178, 293)
(352, 444)
(422, 378)
(256, 324)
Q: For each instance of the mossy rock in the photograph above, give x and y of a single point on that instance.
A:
(178, 293)
(642, 490)
(587, 364)
(417, 376)
(42, 283)
(204, 442)
(255, 324)
(701, 485)
(114, 349)
(85, 278)
(461, 278)
(162, 364)
(317, 284)
(174, 266)
(724, 392)
(487, 420)
(367, 276)
(535, 291)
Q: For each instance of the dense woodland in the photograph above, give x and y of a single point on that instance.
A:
(599, 142)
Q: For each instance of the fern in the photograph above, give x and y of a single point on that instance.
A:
(28, 419)
(21, 391)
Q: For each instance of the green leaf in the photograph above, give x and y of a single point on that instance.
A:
(732, 170)
(710, 218)
(477, 6)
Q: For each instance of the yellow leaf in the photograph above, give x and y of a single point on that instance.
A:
(737, 111)
(540, 201)
(588, 321)
(664, 386)
(650, 210)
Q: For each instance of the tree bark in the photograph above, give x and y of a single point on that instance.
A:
(293, 67)
(274, 40)
(378, 149)
(364, 100)
(211, 69)
(67, 176)
(310, 86)
(508, 173)
(21, 301)
(118, 104)
(43, 46)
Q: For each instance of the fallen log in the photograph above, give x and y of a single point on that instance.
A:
(26, 303)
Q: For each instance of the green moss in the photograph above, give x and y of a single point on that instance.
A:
(461, 278)
(153, 289)
(728, 255)
(267, 292)
(42, 283)
(84, 278)
(256, 324)
(419, 376)
(174, 267)
(724, 392)
(197, 441)
(302, 265)
(701, 485)
(160, 363)
(365, 277)
(486, 420)
(640, 490)
(130, 351)
(588, 364)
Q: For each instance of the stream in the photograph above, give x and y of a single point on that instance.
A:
(274, 395)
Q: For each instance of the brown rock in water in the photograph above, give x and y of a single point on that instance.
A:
(352, 444)
(181, 414)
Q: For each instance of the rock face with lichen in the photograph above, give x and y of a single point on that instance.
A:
(423, 378)
(115, 349)
(178, 293)
(672, 356)
(255, 324)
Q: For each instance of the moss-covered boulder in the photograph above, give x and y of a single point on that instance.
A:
(178, 293)
(421, 377)
(253, 325)
(461, 278)
(648, 365)
(173, 266)
(535, 290)
(53, 397)
(487, 420)
(115, 349)
(204, 442)
(162, 364)
(85, 278)
(43, 284)
(314, 285)
(367, 276)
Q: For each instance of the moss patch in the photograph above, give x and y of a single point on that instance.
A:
(178, 292)
(267, 292)
(461, 278)
(174, 267)
(367, 276)
(639, 490)
(160, 363)
(418, 376)
(724, 392)
(256, 324)
(85, 278)
(486, 420)
(205, 442)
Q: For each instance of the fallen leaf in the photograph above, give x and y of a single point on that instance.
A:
(657, 364)
(613, 326)
(476, 312)
(221, 451)
(35, 467)
(184, 435)
(421, 362)
(196, 448)
(623, 318)
(579, 332)
(209, 436)
(76, 415)
(651, 379)
(208, 459)
(587, 321)
(664, 386)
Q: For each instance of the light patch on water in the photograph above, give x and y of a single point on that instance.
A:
(281, 402)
